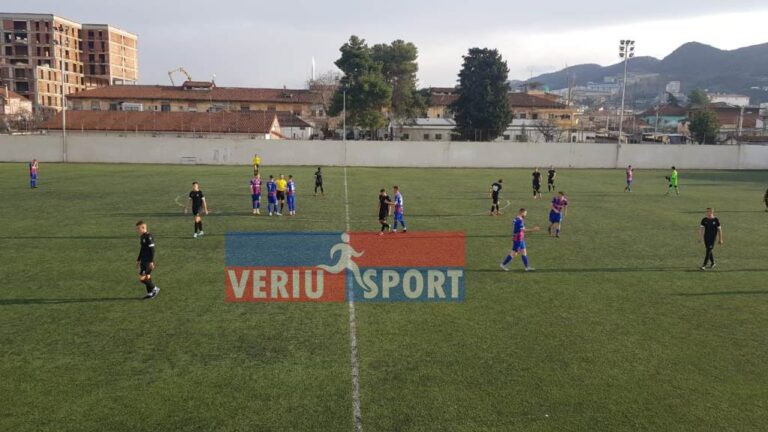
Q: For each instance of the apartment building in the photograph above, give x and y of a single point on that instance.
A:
(35, 49)
(111, 55)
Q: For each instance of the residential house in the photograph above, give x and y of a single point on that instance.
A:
(13, 104)
(294, 127)
(665, 117)
(734, 121)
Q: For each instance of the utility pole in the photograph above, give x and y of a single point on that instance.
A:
(344, 112)
(60, 43)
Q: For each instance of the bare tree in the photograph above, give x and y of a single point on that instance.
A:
(548, 130)
(324, 86)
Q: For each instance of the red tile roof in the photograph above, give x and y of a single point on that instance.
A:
(665, 111)
(258, 122)
(8, 94)
(525, 100)
(516, 100)
(217, 94)
(289, 119)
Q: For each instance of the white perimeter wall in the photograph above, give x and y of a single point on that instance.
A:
(236, 151)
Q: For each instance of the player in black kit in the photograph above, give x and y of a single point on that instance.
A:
(709, 232)
(146, 260)
(197, 199)
(495, 190)
(384, 206)
(536, 183)
(319, 181)
(551, 174)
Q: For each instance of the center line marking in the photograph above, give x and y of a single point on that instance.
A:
(357, 415)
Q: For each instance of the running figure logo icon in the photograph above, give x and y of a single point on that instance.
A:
(345, 262)
(335, 267)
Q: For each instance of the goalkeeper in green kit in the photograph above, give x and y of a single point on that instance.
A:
(673, 182)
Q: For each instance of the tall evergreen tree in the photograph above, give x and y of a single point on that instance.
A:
(367, 91)
(399, 66)
(481, 111)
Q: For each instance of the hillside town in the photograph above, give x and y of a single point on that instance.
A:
(57, 74)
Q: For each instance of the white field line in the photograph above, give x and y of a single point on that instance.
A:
(357, 416)
(509, 203)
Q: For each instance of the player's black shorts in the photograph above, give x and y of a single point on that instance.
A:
(383, 215)
(280, 195)
(536, 186)
(495, 198)
(144, 269)
(196, 211)
(550, 181)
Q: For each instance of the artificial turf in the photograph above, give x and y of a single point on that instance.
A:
(617, 329)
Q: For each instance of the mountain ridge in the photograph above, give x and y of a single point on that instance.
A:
(694, 64)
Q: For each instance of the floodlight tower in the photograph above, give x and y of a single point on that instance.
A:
(626, 52)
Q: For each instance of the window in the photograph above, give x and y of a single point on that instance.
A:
(9, 50)
(426, 137)
(535, 116)
(245, 108)
(90, 46)
(406, 136)
(438, 136)
(507, 137)
(522, 115)
(271, 108)
(165, 107)
(95, 106)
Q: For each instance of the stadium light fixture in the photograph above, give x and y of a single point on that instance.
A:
(626, 52)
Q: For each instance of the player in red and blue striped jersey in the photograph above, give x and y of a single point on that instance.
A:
(398, 211)
(291, 198)
(557, 213)
(33, 167)
(518, 241)
(256, 193)
(271, 195)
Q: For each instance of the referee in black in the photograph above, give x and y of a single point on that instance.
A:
(146, 260)
(319, 181)
(495, 190)
(709, 232)
(384, 206)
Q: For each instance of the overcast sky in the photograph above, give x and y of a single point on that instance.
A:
(271, 43)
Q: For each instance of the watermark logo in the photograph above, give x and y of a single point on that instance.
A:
(339, 266)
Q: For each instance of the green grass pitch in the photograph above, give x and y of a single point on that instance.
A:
(616, 330)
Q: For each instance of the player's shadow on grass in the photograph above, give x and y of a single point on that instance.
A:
(705, 178)
(39, 301)
(63, 237)
(619, 270)
(178, 214)
(721, 293)
(725, 211)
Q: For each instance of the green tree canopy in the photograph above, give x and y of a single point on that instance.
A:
(698, 97)
(399, 66)
(481, 109)
(704, 127)
(367, 91)
(672, 100)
